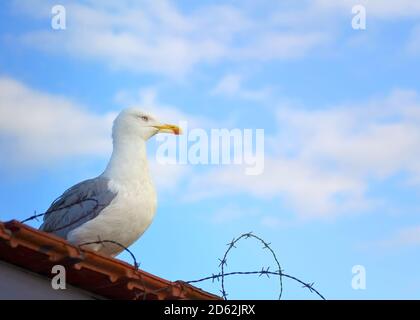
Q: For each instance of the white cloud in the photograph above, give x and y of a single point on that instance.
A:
(409, 236)
(321, 162)
(275, 222)
(282, 45)
(375, 139)
(38, 128)
(312, 192)
(156, 36)
(413, 45)
(150, 36)
(386, 9)
(232, 213)
(159, 37)
(231, 85)
(146, 98)
(41, 129)
(168, 176)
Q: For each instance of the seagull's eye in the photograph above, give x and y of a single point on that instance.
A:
(144, 118)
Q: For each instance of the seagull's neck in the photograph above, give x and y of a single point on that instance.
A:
(128, 162)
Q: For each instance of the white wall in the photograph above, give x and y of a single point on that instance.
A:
(17, 283)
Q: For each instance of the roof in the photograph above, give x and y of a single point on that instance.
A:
(108, 277)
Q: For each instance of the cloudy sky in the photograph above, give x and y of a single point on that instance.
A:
(340, 109)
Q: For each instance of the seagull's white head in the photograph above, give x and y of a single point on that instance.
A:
(134, 123)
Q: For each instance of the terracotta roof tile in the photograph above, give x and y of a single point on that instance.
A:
(108, 277)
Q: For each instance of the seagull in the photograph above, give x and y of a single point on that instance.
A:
(110, 212)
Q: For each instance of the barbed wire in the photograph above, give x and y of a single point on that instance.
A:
(35, 216)
(221, 275)
(136, 265)
(266, 272)
(231, 245)
(222, 262)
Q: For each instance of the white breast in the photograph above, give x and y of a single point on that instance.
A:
(124, 220)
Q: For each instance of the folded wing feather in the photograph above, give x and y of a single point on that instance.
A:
(77, 205)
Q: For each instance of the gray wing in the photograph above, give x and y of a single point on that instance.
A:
(76, 206)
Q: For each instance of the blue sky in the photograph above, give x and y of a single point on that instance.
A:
(340, 108)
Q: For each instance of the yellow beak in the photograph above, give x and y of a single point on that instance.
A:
(169, 128)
